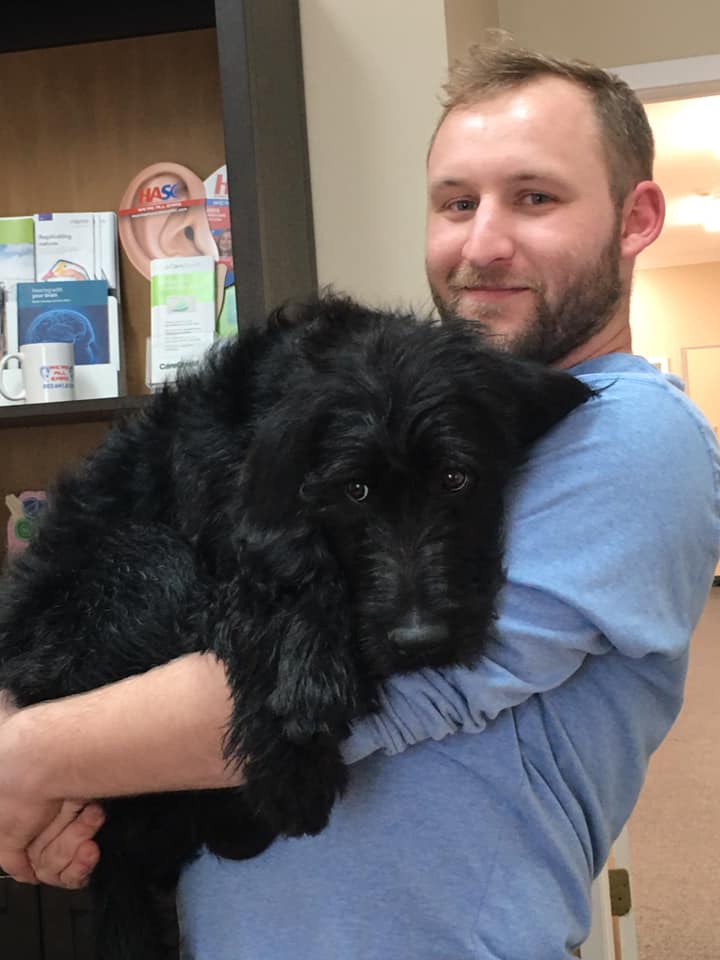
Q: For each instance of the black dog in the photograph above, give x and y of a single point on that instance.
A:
(320, 506)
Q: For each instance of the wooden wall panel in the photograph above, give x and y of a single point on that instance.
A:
(30, 458)
(20, 931)
(67, 925)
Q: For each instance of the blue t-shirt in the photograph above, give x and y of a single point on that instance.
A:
(484, 844)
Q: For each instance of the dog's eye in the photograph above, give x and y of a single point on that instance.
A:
(453, 481)
(357, 491)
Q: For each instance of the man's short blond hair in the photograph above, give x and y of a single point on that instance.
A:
(625, 133)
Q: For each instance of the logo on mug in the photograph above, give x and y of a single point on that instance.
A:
(56, 376)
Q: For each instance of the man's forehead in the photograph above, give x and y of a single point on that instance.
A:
(525, 97)
(529, 175)
(554, 117)
(524, 106)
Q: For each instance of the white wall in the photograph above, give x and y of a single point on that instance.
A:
(373, 69)
(675, 307)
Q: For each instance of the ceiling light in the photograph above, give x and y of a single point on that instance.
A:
(695, 210)
(693, 125)
(711, 222)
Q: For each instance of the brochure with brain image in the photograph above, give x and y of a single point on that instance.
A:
(70, 311)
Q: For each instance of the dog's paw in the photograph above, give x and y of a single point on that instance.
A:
(295, 788)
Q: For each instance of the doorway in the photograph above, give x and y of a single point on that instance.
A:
(674, 831)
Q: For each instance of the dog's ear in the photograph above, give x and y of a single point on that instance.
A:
(278, 459)
(322, 318)
(291, 314)
(538, 397)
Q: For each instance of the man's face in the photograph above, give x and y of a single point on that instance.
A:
(523, 236)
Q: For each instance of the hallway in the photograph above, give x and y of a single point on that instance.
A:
(675, 829)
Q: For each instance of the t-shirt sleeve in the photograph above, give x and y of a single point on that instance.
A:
(612, 539)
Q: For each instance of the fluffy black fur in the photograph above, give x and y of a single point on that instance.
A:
(320, 506)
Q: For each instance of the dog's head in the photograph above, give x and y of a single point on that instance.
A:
(385, 446)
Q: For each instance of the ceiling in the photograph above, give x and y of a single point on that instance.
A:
(687, 140)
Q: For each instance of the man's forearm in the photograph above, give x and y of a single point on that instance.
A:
(157, 731)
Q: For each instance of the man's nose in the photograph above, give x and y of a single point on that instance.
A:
(490, 236)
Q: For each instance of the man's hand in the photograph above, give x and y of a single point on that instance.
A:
(41, 839)
(64, 854)
(155, 731)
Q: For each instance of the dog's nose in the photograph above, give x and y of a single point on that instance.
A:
(413, 633)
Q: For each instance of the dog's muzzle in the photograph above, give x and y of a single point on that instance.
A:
(414, 633)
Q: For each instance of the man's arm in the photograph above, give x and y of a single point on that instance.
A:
(157, 731)
(598, 557)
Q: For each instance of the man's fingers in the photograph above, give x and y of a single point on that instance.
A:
(67, 814)
(64, 851)
(77, 874)
(18, 866)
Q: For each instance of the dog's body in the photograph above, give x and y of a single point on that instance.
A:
(320, 506)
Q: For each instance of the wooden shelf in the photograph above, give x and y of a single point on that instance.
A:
(69, 411)
(50, 25)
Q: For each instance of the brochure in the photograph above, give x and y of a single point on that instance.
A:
(182, 292)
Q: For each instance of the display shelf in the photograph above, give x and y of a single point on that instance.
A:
(69, 411)
(51, 26)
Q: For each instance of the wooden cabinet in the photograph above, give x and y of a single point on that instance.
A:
(20, 927)
(88, 100)
(44, 924)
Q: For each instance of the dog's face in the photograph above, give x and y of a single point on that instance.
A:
(410, 503)
(394, 442)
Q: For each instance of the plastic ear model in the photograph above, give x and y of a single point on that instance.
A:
(163, 214)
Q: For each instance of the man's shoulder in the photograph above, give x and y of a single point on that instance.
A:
(631, 387)
(637, 410)
(639, 437)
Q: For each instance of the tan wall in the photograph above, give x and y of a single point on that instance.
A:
(466, 22)
(676, 307)
(616, 32)
(372, 75)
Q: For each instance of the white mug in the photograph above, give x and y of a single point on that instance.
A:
(47, 370)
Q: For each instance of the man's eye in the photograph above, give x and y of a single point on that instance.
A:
(537, 199)
(357, 491)
(462, 206)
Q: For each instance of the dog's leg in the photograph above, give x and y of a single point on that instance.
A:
(125, 916)
(227, 825)
(295, 691)
(293, 786)
(144, 844)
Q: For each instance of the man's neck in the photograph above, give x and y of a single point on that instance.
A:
(615, 337)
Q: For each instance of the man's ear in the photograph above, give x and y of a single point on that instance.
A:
(643, 218)
(152, 225)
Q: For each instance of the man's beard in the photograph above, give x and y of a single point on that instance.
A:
(583, 307)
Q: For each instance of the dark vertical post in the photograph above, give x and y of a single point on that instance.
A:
(260, 55)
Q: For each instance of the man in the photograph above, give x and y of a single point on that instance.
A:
(481, 803)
